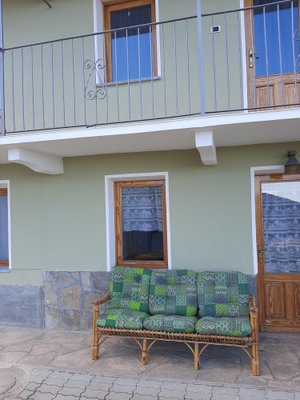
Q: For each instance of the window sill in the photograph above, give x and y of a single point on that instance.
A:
(132, 81)
(4, 268)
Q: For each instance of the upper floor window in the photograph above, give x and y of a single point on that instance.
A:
(131, 46)
(140, 218)
(4, 223)
(277, 47)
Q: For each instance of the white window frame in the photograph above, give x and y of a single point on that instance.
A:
(5, 184)
(271, 169)
(110, 211)
(244, 56)
(98, 18)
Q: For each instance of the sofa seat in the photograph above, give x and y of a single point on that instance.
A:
(121, 318)
(224, 326)
(170, 323)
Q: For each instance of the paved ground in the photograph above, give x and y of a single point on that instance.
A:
(48, 365)
(49, 385)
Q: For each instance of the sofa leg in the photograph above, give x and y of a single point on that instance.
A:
(196, 356)
(255, 360)
(95, 346)
(144, 352)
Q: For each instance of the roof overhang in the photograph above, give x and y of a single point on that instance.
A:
(204, 133)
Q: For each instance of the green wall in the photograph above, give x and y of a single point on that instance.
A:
(32, 21)
(58, 222)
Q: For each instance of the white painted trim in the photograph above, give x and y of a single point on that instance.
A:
(170, 124)
(109, 222)
(110, 207)
(98, 39)
(97, 16)
(6, 184)
(158, 55)
(244, 56)
(253, 171)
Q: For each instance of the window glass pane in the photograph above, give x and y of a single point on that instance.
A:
(134, 43)
(3, 228)
(280, 40)
(281, 226)
(142, 223)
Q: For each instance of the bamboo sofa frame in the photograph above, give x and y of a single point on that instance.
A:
(146, 338)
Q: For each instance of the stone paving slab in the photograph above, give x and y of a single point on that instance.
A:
(92, 387)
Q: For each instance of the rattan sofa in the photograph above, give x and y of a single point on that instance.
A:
(198, 309)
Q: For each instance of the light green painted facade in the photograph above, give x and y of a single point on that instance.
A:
(32, 21)
(58, 222)
(48, 86)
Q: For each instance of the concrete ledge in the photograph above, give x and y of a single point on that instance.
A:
(22, 306)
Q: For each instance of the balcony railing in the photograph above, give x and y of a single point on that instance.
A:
(249, 61)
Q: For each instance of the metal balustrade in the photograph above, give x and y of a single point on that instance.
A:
(229, 61)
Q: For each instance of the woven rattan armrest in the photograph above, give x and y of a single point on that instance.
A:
(103, 300)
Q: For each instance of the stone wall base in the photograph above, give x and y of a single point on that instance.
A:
(22, 306)
(69, 296)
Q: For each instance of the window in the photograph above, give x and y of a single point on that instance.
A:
(277, 46)
(140, 223)
(130, 52)
(4, 223)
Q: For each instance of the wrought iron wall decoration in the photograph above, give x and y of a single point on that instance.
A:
(95, 87)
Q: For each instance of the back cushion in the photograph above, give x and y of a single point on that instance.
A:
(129, 289)
(173, 292)
(223, 294)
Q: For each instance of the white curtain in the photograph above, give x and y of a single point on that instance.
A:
(142, 209)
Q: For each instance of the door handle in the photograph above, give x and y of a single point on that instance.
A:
(251, 58)
(260, 252)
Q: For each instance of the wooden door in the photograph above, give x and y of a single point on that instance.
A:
(278, 251)
(273, 53)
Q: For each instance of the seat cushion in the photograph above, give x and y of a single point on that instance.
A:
(120, 318)
(223, 294)
(239, 326)
(171, 323)
(173, 292)
(129, 289)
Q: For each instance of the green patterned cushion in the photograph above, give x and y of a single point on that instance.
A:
(129, 289)
(223, 326)
(171, 323)
(223, 294)
(120, 318)
(173, 292)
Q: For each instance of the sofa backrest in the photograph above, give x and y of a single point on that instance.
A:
(173, 292)
(129, 288)
(223, 294)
